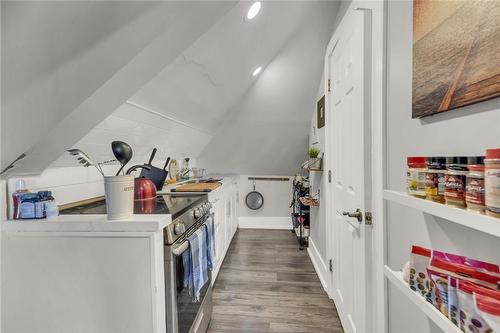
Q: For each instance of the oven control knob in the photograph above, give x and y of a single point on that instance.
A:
(197, 213)
(179, 228)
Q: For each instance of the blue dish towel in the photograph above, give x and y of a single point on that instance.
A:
(196, 263)
(210, 234)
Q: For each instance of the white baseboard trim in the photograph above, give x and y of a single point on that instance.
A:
(279, 223)
(318, 263)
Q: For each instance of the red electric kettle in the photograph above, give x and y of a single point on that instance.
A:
(144, 188)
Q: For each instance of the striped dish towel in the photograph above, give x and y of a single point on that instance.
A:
(210, 234)
(196, 263)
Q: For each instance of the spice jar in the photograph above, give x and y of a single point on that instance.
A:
(474, 186)
(492, 182)
(434, 179)
(415, 176)
(454, 178)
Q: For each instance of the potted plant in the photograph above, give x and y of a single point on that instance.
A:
(314, 162)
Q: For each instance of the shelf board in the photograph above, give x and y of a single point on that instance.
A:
(484, 223)
(396, 278)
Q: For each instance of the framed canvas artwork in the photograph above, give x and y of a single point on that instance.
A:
(456, 54)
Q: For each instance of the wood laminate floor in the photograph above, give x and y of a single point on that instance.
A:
(266, 284)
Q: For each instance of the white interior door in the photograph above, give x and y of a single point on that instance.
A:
(348, 107)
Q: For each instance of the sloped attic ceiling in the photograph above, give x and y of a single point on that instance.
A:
(266, 131)
(207, 105)
(67, 65)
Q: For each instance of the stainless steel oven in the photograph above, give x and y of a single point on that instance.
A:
(184, 315)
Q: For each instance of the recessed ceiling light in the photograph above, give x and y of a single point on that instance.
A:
(253, 10)
(257, 71)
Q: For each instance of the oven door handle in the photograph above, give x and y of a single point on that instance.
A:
(179, 249)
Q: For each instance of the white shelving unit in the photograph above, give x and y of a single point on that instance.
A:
(483, 223)
(396, 278)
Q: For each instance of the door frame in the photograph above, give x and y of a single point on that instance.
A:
(379, 297)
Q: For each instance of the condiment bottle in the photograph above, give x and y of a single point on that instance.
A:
(415, 176)
(474, 188)
(16, 198)
(455, 177)
(492, 182)
(434, 179)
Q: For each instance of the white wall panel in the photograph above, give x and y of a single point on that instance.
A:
(466, 131)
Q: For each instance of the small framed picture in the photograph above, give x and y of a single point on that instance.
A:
(320, 109)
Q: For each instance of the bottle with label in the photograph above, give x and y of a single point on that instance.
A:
(16, 199)
(434, 179)
(492, 182)
(415, 176)
(474, 188)
(455, 178)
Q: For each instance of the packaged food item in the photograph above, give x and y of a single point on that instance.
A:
(419, 280)
(434, 179)
(471, 321)
(415, 176)
(492, 182)
(453, 306)
(28, 205)
(473, 263)
(440, 294)
(456, 171)
(474, 187)
(489, 309)
(472, 274)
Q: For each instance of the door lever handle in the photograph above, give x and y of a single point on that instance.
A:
(357, 214)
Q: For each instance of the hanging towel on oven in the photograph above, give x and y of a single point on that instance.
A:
(210, 234)
(195, 263)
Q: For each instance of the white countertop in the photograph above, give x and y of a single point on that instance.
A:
(90, 223)
(100, 223)
(226, 179)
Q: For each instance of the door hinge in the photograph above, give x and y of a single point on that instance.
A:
(329, 176)
(331, 265)
(368, 218)
(329, 83)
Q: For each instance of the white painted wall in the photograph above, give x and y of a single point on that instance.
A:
(318, 180)
(275, 213)
(467, 131)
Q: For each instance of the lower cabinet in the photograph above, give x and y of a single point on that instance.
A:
(224, 207)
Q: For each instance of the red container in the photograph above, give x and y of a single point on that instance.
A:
(144, 189)
(416, 161)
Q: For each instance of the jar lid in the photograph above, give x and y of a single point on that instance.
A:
(436, 160)
(416, 160)
(475, 160)
(458, 160)
(493, 153)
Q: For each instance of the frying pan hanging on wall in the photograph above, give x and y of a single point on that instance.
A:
(254, 200)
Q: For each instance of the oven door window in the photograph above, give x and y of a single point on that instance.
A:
(186, 308)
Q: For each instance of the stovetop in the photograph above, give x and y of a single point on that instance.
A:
(174, 204)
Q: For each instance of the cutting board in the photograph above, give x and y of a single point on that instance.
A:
(197, 187)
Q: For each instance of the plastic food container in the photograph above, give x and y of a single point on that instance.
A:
(492, 182)
(455, 178)
(415, 176)
(474, 187)
(434, 179)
